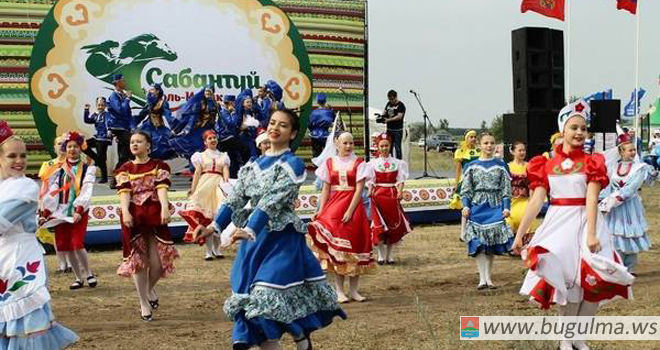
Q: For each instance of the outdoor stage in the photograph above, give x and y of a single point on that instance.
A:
(424, 200)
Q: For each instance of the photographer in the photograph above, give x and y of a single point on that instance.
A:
(393, 117)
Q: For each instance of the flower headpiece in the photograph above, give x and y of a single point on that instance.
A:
(578, 108)
(623, 138)
(5, 132)
(75, 137)
(383, 136)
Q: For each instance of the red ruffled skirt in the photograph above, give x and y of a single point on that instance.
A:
(70, 237)
(388, 221)
(344, 248)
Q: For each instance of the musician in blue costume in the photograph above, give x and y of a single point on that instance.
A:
(120, 120)
(271, 102)
(102, 137)
(227, 129)
(248, 121)
(155, 118)
(320, 121)
(196, 116)
(278, 286)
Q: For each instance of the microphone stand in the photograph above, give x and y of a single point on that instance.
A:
(425, 174)
(348, 109)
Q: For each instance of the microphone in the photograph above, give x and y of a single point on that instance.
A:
(413, 92)
(341, 89)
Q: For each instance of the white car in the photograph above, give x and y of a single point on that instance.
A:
(420, 143)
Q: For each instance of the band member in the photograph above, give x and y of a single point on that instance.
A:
(277, 284)
(102, 137)
(320, 121)
(26, 318)
(120, 119)
(148, 248)
(155, 118)
(571, 260)
(388, 220)
(340, 230)
(66, 207)
(197, 116)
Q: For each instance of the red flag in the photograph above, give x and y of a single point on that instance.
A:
(628, 5)
(550, 8)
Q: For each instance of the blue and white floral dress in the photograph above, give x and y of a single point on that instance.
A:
(277, 284)
(26, 319)
(625, 212)
(486, 190)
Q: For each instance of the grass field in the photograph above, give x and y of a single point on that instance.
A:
(415, 304)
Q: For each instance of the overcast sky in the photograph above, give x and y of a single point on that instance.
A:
(457, 54)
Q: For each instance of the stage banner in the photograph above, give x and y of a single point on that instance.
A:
(183, 45)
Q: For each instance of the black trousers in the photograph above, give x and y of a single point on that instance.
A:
(238, 153)
(123, 146)
(318, 144)
(100, 157)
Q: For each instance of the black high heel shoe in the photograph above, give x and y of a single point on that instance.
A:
(154, 304)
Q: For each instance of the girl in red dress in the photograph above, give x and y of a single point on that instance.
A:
(66, 207)
(388, 221)
(340, 230)
(149, 252)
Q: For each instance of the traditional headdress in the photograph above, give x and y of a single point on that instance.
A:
(468, 133)
(75, 137)
(6, 132)
(261, 137)
(275, 89)
(117, 77)
(383, 136)
(321, 98)
(623, 138)
(579, 108)
(229, 98)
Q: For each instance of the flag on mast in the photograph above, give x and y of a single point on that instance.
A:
(628, 5)
(549, 8)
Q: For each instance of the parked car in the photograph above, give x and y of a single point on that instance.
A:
(441, 142)
(420, 143)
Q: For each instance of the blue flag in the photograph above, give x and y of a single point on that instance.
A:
(629, 110)
(600, 95)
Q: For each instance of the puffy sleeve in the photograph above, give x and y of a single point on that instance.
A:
(162, 176)
(322, 172)
(372, 172)
(123, 180)
(596, 170)
(458, 154)
(363, 171)
(235, 201)
(403, 174)
(196, 160)
(84, 199)
(536, 173)
(225, 159)
(19, 204)
(467, 190)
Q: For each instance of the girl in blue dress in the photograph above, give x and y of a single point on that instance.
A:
(277, 284)
(486, 197)
(623, 205)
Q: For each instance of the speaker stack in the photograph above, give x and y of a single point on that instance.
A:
(538, 87)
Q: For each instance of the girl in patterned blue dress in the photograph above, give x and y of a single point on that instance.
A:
(486, 197)
(277, 284)
(623, 205)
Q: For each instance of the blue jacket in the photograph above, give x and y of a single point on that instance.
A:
(100, 122)
(119, 111)
(227, 124)
(320, 121)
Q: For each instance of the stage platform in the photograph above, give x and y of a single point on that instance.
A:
(424, 200)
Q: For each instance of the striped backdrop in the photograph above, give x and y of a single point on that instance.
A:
(332, 30)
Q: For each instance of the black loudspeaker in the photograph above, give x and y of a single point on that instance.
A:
(604, 114)
(538, 69)
(532, 128)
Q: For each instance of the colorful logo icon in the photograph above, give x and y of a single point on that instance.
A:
(469, 327)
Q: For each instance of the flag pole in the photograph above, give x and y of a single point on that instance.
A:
(636, 123)
(568, 52)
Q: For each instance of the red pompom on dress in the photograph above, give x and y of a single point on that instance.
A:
(142, 181)
(561, 267)
(343, 248)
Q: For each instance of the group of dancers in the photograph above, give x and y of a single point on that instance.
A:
(583, 252)
(177, 132)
